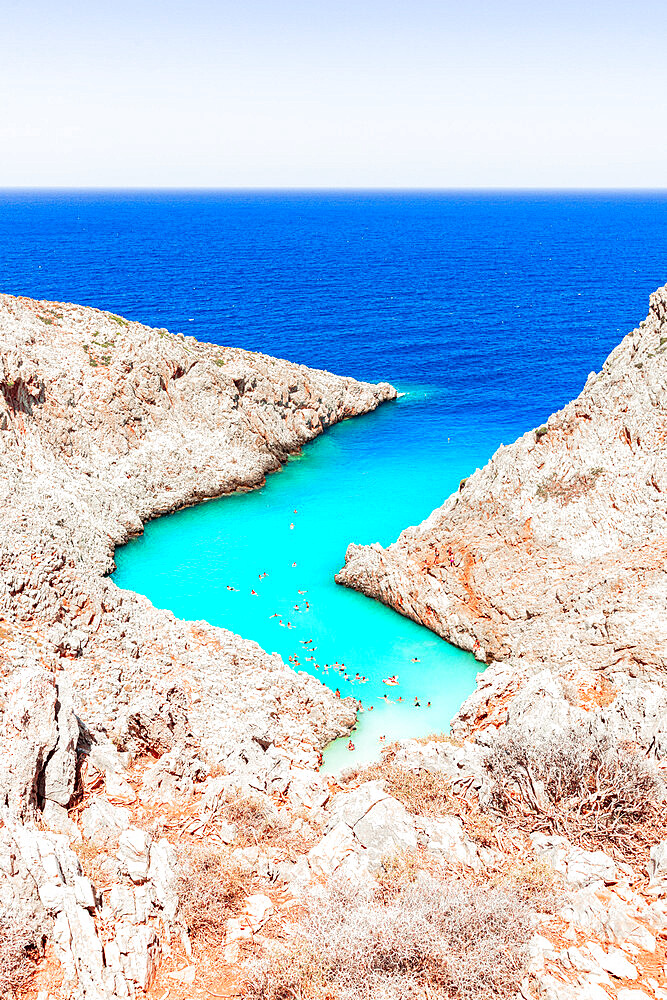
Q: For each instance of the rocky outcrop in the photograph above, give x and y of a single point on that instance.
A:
(555, 550)
(106, 423)
(110, 708)
(549, 565)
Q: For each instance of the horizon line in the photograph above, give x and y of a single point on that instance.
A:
(286, 189)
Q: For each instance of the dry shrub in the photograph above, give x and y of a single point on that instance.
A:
(423, 792)
(91, 854)
(535, 882)
(211, 888)
(297, 974)
(571, 782)
(251, 817)
(564, 491)
(396, 872)
(18, 954)
(444, 938)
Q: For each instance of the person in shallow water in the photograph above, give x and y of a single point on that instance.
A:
(350, 745)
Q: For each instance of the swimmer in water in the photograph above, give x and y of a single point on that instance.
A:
(350, 745)
(254, 592)
(415, 659)
(417, 705)
(428, 704)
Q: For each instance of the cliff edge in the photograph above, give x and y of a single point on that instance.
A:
(556, 548)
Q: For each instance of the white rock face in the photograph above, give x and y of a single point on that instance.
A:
(105, 423)
(556, 548)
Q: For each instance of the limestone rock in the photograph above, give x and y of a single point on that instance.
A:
(102, 821)
(380, 823)
(37, 743)
(555, 549)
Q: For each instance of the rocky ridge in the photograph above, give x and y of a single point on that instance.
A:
(556, 548)
(105, 423)
(549, 565)
(163, 823)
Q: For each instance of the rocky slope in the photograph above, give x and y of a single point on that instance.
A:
(549, 565)
(105, 423)
(556, 548)
(164, 831)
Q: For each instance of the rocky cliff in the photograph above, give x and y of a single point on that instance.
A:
(556, 548)
(105, 423)
(164, 831)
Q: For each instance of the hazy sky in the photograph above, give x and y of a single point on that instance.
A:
(317, 93)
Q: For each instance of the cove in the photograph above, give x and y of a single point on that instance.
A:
(363, 481)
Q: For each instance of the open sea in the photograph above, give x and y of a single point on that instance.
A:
(487, 310)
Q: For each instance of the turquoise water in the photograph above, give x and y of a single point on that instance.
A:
(340, 489)
(490, 308)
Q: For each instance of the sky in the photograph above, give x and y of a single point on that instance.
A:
(316, 93)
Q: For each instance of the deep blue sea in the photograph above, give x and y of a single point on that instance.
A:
(488, 310)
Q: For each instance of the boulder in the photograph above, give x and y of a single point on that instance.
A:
(380, 823)
(102, 821)
(447, 837)
(37, 743)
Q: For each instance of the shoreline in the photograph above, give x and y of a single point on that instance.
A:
(248, 440)
(139, 748)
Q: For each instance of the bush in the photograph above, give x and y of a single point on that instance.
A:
(566, 491)
(251, 818)
(423, 792)
(396, 872)
(18, 954)
(211, 888)
(574, 783)
(452, 941)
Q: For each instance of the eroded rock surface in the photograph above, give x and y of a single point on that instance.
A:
(112, 711)
(556, 548)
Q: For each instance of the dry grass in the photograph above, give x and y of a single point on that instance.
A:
(535, 882)
(396, 873)
(439, 738)
(441, 940)
(251, 818)
(423, 792)
(91, 855)
(18, 955)
(565, 491)
(211, 888)
(256, 824)
(573, 783)
(429, 793)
